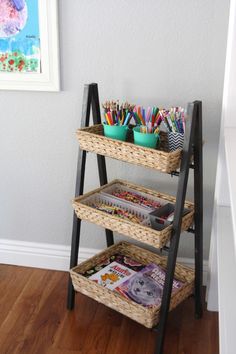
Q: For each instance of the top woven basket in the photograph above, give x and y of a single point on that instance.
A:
(92, 139)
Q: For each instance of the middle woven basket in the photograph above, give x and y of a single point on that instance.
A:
(141, 232)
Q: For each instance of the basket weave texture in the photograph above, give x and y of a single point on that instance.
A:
(148, 317)
(92, 139)
(138, 232)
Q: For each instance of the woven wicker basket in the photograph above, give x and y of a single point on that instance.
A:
(92, 139)
(148, 317)
(136, 231)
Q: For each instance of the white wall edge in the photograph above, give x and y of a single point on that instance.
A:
(56, 257)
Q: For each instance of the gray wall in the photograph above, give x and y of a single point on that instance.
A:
(148, 52)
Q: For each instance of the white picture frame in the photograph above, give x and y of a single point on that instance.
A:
(48, 79)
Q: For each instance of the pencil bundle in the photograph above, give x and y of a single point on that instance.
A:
(116, 114)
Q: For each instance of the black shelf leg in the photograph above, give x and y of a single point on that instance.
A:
(73, 260)
(198, 216)
(174, 243)
(90, 99)
(79, 191)
(102, 170)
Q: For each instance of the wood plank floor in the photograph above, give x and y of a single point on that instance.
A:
(34, 320)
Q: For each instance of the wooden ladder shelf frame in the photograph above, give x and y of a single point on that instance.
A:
(192, 146)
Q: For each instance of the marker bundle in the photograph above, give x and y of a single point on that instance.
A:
(149, 119)
(174, 119)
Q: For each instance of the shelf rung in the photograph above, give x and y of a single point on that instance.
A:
(166, 248)
(191, 230)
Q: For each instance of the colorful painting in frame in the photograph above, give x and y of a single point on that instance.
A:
(29, 57)
(19, 36)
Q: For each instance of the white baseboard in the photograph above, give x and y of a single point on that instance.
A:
(39, 255)
(56, 257)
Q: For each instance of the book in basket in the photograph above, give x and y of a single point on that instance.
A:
(112, 275)
(146, 286)
(119, 258)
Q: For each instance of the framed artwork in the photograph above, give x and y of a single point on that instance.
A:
(29, 48)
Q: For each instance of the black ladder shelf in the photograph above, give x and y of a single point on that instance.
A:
(192, 146)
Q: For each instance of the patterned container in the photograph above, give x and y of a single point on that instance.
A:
(176, 141)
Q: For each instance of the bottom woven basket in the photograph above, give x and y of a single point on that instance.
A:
(148, 317)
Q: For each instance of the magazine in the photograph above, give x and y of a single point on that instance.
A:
(146, 286)
(124, 260)
(112, 275)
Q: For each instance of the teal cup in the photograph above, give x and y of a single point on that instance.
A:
(118, 132)
(150, 140)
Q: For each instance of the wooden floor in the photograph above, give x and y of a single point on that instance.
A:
(34, 320)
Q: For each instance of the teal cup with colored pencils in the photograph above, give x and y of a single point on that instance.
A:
(116, 119)
(118, 132)
(141, 137)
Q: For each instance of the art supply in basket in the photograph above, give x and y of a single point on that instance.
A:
(116, 114)
(147, 131)
(150, 140)
(149, 119)
(173, 119)
(118, 212)
(175, 141)
(117, 119)
(137, 199)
